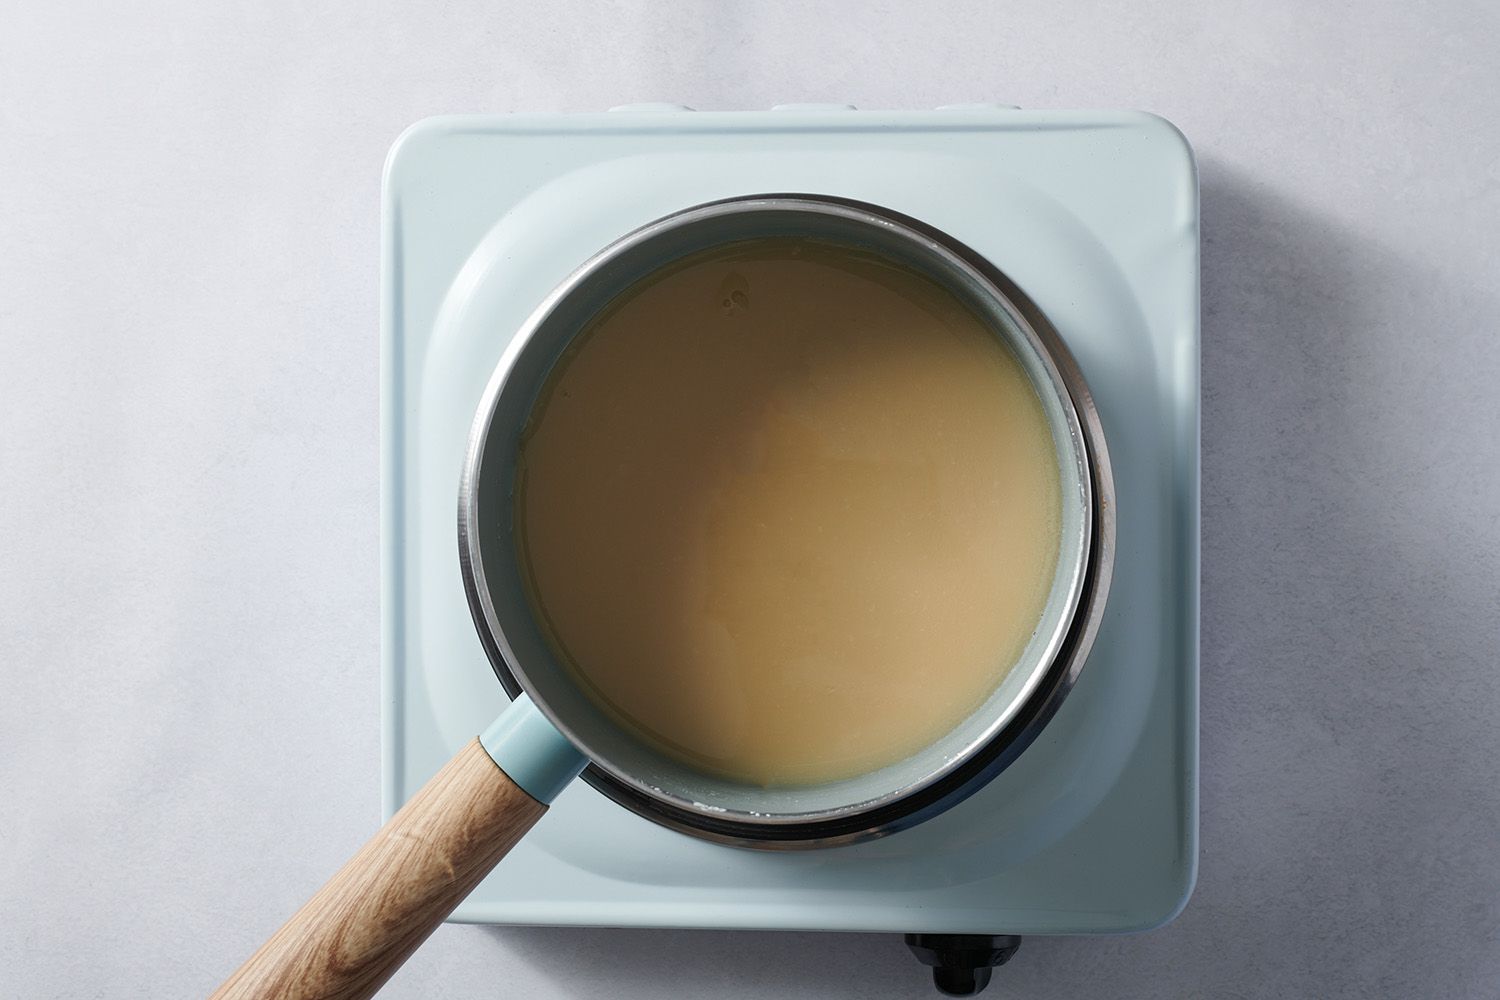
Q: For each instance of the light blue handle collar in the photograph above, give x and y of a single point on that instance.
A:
(531, 751)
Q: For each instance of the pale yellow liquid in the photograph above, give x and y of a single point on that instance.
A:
(790, 513)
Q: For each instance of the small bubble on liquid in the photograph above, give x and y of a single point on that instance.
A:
(734, 293)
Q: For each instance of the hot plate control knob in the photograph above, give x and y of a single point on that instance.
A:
(961, 963)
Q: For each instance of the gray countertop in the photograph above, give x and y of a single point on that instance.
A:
(188, 455)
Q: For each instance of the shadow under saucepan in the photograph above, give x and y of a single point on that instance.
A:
(1349, 811)
(1350, 589)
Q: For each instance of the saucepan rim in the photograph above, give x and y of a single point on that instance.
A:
(1055, 664)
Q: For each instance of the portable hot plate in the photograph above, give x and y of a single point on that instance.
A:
(1094, 216)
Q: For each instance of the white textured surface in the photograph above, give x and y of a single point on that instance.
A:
(188, 622)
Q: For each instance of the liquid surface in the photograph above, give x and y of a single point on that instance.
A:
(788, 512)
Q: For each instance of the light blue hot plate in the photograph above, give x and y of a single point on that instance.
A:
(1095, 216)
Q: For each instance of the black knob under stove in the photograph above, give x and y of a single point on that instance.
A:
(961, 963)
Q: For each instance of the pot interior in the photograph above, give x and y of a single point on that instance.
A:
(487, 513)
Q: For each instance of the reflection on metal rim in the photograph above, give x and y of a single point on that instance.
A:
(1053, 676)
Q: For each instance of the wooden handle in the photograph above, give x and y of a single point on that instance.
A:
(354, 934)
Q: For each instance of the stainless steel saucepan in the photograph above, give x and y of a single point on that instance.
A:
(355, 932)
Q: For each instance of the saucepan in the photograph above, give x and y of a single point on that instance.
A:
(358, 929)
